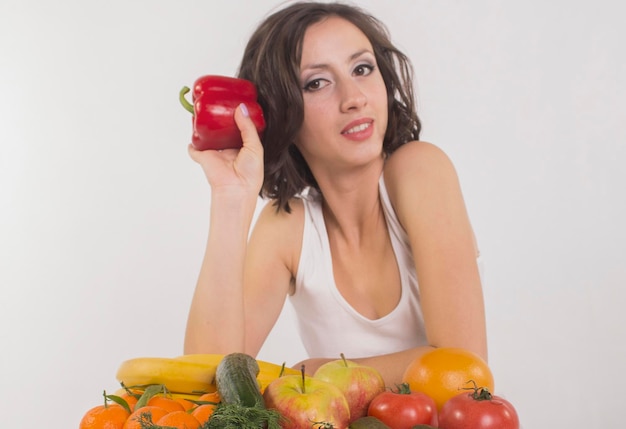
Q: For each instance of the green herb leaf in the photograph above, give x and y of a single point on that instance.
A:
(149, 393)
(119, 400)
(235, 416)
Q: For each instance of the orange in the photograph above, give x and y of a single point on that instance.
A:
(149, 413)
(179, 420)
(107, 416)
(444, 372)
(210, 397)
(186, 403)
(203, 412)
(169, 404)
(130, 399)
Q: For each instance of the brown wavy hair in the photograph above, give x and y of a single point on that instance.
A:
(271, 61)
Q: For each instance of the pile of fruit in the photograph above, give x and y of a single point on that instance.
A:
(445, 388)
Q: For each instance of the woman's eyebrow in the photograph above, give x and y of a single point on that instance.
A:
(321, 66)
(359, 53)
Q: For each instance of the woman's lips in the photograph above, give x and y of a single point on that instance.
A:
(360, 129)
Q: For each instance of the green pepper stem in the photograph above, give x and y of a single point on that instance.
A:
(187, 105)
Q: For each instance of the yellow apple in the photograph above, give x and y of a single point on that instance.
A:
(307, 402)
(359, 383)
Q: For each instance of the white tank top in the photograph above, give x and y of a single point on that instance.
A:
(327, 323)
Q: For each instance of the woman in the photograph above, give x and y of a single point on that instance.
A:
(367, 232)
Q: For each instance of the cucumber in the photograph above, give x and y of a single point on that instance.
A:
(368, 422)
(236, 382)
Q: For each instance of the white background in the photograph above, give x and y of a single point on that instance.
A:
(103, 217)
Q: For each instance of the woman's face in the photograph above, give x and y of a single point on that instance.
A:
(345, 99)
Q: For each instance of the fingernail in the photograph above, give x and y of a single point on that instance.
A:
(244, 110)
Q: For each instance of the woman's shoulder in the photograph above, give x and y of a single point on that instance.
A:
(279, 233)
(415, 162)
(416, 175)
(272, 215)
(418, 153)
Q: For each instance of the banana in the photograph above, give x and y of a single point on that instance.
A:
(191, 374)
(176, 375)
(268, 371)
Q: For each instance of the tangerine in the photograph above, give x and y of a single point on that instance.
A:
(203, 412)
(186, 403)
(148, 413)
(169, 404)
(107, 416)
(179, 420)
(444, 372)
(210, 397)
(131, 399)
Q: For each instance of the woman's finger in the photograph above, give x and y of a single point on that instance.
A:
(249, 134)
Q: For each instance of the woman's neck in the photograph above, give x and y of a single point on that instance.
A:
(351, 204)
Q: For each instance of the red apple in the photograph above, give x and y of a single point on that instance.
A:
(307, 402)
(359, 383)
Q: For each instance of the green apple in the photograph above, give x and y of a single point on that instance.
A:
(307, 402)
(359, 383)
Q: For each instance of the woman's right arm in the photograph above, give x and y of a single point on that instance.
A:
(216, 318)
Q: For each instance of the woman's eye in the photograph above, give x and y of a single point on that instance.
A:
(363, 69)
(315, 84)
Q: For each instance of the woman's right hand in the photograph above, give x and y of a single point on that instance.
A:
(233, 170)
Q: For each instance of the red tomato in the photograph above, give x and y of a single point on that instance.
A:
(478, 410)
(403, 409)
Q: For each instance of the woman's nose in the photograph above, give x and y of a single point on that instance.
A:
(352, 96)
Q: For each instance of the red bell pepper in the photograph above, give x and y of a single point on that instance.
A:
(215, 99)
